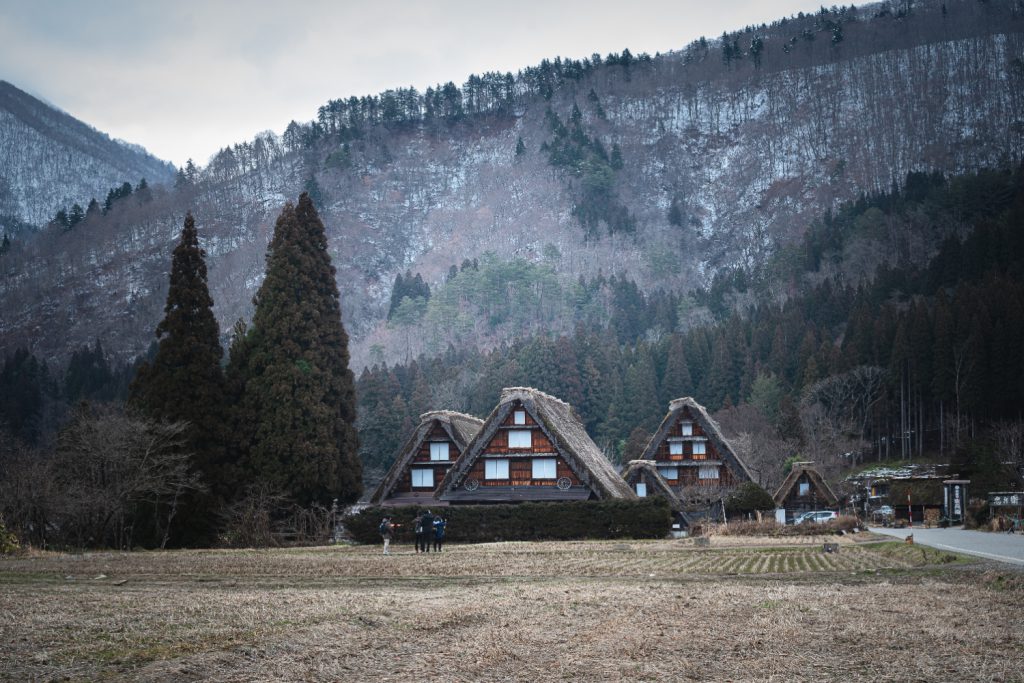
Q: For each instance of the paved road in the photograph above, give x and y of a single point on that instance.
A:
(993, 546)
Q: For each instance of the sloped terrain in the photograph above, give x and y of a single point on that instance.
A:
(747, 150)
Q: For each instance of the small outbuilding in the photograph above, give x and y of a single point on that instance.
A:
(643, 477)
(803, 490)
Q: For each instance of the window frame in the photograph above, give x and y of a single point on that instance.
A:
(686, 428)
(662, 469)
(447, 451)
(516, 415)
(641, 489)
(705, 472)
(421, 471)
(520, 432)
(495, 464)
(553, 463)
(703, 447)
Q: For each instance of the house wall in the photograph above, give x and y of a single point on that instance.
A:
(422, 459)
(689, 462)
(520, 466)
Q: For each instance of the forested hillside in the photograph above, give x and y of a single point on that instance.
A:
(922, 343)
(662, 171)
(51, 161)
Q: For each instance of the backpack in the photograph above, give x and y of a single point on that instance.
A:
(383, 529)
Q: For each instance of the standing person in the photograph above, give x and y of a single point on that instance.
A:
(439, 526)
(427, 522)
(418, 530)
(387, 532)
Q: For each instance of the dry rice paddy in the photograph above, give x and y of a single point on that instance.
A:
(663, 610)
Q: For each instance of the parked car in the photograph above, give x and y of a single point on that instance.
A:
(815, 517)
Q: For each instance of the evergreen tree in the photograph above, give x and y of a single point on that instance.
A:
(520, 147)
(298, 404)
(184, 380)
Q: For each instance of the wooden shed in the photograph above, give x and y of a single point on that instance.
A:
(438, 441)
(532, 447)
(804, 490)
(693, 456)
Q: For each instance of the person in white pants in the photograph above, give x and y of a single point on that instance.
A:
(387, 530)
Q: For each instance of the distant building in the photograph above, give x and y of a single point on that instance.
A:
(643, 477)
(805, 490)
(694, 459)
(532, 447)
(438, 441)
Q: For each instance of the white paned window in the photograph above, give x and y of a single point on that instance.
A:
(805, 488)
(520, 438)
(708, 472)
(543, 468)
(423, 476)
(439, 451)
(669, 472)
(641, 489)
(675, 447)
(519, 417)
(700, 447)
(687, 429)
(496, 469)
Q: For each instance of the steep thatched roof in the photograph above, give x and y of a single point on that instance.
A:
(647, 470)
(563, 427)
(825, 493)
(710, 428)
(461, 428)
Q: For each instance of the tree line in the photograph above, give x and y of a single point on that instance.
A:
(915, 359)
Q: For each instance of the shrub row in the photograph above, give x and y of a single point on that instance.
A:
(646, 518)
(769, 527)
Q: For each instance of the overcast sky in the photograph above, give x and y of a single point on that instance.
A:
(184, 78)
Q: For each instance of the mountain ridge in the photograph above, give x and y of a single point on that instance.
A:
(49, 159)
(748, 149)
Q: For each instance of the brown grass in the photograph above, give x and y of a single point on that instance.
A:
(524, 611)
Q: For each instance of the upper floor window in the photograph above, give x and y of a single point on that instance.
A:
(700, 448)
(439, 451)
(641, 489)
(687, 428)
(520, 438)
(423, 477)
(675, 447)
(519, 417)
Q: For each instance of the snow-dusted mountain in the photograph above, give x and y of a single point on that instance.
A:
(50, 160)
(729, 148)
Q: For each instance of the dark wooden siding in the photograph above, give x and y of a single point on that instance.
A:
(688, 461)
(422, 459)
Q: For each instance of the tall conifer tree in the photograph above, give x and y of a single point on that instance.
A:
(184, 381)
(298, 405)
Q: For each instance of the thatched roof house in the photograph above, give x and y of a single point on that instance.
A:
(643, 477)
(532, 446)
(438, 441)
(690, 450)
(805, 490)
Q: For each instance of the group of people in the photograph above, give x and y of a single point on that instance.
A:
(429, 529)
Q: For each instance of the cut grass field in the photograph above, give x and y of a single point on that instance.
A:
(650, 610)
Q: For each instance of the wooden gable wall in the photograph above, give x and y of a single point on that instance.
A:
(688, 462)
(520, 465)
(437, 434)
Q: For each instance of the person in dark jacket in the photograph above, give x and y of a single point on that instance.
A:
(439, 529)
(426, 528)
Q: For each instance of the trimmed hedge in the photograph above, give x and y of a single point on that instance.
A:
(747, 498)
(646, 518)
